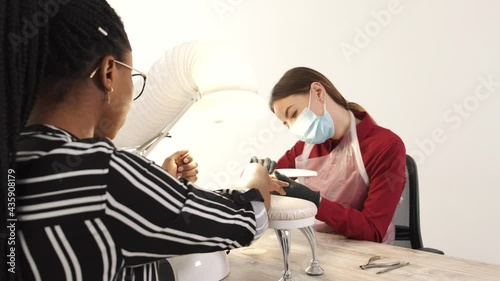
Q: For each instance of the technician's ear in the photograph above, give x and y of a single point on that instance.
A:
(318, 91)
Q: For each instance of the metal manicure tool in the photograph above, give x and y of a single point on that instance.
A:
(388, 265)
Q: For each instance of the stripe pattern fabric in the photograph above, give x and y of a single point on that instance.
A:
(88, 211)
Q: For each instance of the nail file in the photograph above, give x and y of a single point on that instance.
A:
(292, 173)
(393, 267)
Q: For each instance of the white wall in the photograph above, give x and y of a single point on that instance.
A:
(421, 73)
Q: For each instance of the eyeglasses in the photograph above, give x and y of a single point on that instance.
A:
(139, 79)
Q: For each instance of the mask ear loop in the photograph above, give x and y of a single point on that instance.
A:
(310, 94)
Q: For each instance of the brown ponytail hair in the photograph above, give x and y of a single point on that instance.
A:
(298, 80)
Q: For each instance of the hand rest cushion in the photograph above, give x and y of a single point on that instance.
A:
(297, 212)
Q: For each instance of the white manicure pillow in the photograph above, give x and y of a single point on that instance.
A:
(289, 212)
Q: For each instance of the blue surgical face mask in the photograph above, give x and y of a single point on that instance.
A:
(312, 128)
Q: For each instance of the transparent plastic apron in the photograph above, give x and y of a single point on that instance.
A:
(341, 178)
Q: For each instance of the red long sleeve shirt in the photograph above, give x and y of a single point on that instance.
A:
(384, 157)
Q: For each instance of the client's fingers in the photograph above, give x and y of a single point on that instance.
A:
(187, 167)
(276, 185)
(188, 173)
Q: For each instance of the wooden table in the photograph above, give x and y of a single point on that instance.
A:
(341, 258)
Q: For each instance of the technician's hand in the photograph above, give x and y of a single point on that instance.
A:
(181, 165)
(269, 164)
(298, 190)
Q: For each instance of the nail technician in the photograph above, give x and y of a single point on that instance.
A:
(360, 165)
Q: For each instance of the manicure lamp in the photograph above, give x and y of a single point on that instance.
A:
(210, 77)
(215, 80)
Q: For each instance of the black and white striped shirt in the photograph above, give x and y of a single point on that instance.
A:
(88, 211)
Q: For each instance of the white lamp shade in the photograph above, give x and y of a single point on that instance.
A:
(220, 67)
(206, 70)
(229, 105)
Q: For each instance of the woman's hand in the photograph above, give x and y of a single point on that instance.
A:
(276, 185)
(181, 165)
(255, 176)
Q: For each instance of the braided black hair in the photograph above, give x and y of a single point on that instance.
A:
(49, 41)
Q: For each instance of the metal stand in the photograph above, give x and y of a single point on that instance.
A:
(314, 268)
(284, 237)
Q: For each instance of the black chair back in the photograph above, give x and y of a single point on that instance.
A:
(408, 210)
(408, 214)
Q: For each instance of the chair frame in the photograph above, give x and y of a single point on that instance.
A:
(412, 232)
